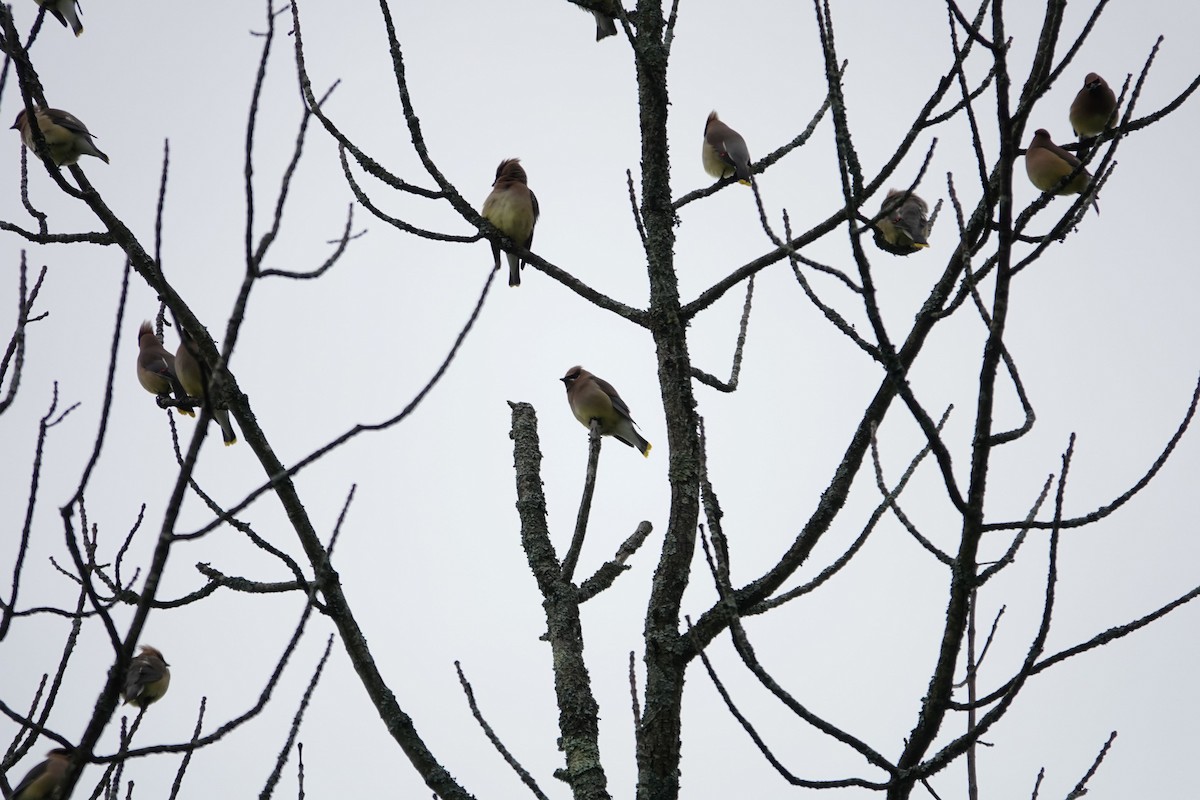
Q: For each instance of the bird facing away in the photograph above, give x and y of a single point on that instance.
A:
(66, 137)
(156, 367)
(906, 226)
(595, 398)
(1047, 164)
(187, 364)
(147, 678)
(65, 12)
(513, 209)
(41, 781)
(724, 152)
(1092, 109)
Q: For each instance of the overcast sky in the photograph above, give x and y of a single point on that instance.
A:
(1103, 329)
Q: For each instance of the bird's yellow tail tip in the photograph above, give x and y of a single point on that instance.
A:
(231, 443)
(646, 452)
(744, 183)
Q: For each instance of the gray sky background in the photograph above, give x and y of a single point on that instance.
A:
(1103, 329)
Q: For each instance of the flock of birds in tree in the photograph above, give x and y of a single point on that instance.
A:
(512, 208)
(902, 227)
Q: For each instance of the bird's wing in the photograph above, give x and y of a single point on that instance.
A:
(617, 402)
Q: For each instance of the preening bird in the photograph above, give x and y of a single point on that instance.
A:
(513, 209)
(41, 781)
(906, 226)
(156, 367)
(1092, 109)
(66, 137)
(65, 12)
(724, 152)
(187, 364)
(595, 398)
(147, 678)
(1046, 164)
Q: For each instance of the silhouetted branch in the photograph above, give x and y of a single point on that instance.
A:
(736, 369)
(522, 773)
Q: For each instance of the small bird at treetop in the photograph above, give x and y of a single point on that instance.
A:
(147, 678)
(66, 137)
(1047, 164)
(156, 367)
(1092, 109)
(595, 398)
(906, 226)
(513, 209)
(187, 365)
(724, 151)
(41, 781)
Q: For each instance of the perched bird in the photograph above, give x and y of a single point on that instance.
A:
(156, 367)
(1047, 164)
(187, 363)
(595, 398)
(66, 137)
(513, 209)
(41, 781)
(905, 227)
(65, 12)
(1092, 110)
(724, 151)
(147, 678)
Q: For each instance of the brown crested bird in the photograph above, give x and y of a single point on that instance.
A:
(724, 151)
(1047, 164)
(41, 781)
(192, 376)
(906, 227)
(66, 137)
(1092, 109)
(65, 11)
(147, 678)
(156, 367)
(595, 398)
(513, 209)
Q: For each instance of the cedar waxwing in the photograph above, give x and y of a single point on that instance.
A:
(66, 137)
(1047, 164)
(513, 209)
(1092, 110)
(41, 781)
(156, 367)
(65, 12)
(192, 377)
(906, 226)
(724, 152)
(595, 398)
(147, 678)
